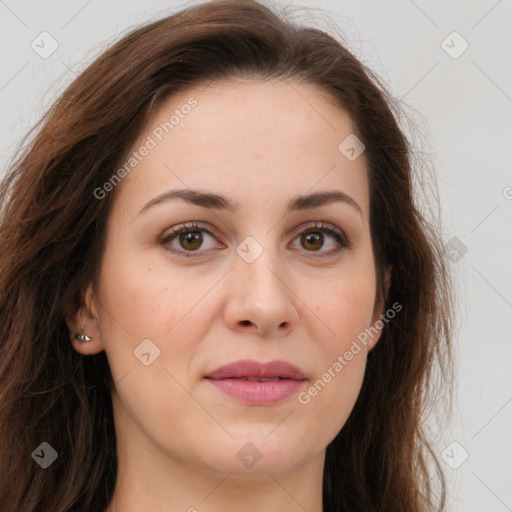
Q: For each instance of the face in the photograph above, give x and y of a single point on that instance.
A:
(236, 264)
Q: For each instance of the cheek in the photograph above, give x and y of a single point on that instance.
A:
(331, 396)
(147, 301)
(334, 388)
(149, 297)
(340, 310)
(342, 313)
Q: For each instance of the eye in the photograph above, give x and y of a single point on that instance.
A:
(319, 235)
(188, 238)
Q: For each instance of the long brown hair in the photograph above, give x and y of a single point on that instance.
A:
(52, 231)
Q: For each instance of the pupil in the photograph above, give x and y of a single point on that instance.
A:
(190, 240)
(314, 240)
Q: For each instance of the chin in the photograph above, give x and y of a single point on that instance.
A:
(256, 454)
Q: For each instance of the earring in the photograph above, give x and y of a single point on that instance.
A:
(83, 336)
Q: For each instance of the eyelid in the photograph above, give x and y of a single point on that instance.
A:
(323, 227)
(320, 226)
(187, 226)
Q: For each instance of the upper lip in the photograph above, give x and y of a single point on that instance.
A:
(251, 368)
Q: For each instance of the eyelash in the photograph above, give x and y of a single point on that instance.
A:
(316, 227)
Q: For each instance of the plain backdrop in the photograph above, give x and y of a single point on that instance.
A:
(450, 65)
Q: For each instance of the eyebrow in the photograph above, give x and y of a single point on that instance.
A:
(218, 202)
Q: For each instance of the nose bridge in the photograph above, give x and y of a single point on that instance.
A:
(262, 293)
(257, 265)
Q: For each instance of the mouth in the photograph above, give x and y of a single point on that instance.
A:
(253, 382)
(252, 369)
(259, 379)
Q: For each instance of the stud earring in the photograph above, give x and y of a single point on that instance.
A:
(83, 336)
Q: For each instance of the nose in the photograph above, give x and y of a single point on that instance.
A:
(261, 299)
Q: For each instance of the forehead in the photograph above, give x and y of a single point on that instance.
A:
(245, 135)
(239, 108)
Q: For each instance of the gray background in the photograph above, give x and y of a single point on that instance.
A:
(461, 108)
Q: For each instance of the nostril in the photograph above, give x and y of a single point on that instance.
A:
(245, 322)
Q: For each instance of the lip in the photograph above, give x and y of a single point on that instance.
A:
(254, 369)
(231, 379)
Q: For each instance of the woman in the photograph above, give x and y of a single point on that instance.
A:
(216, 289)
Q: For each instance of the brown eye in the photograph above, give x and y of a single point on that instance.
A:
(312, 241)
(191, 240)
(321, 239)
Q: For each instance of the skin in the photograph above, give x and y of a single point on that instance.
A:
(259, 144)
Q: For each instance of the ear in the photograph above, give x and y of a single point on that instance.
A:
(87, 317)
(377, 323)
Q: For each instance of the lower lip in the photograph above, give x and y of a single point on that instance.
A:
(253, 392)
